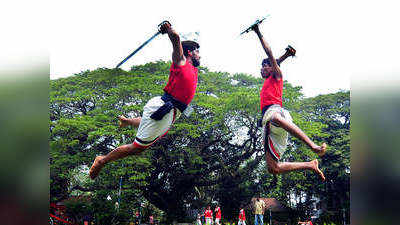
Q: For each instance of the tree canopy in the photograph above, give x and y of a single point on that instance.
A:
(215, 155)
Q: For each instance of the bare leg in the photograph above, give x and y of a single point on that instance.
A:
(123, 121)
(297, 132)
(118, 153)
(285, 167)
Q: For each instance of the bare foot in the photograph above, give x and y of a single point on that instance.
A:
(316, 169)
(96, 167)
(123, 121)
(320, 150)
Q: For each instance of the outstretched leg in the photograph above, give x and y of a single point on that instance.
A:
(123, 121)
(297, 132)
(118, 153)
(275, 167)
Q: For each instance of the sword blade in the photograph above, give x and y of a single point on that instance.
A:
(140, 47)
(257, 22)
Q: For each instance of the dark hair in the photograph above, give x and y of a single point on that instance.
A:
(266, 61)
(189, 46)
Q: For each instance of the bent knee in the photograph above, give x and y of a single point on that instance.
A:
(277, 118)
(274, 168)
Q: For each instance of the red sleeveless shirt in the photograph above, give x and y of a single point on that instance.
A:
(271, 92)
(218, 214)
(242, 215)
(208, 214)
(182, 82)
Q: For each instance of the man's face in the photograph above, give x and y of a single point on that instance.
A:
(195, 55)
(266, 70)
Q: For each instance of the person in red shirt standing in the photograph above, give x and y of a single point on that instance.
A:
(160, 112)
(151, 219)
(208, 215)
(137, 217)
(198, 221)
(242, 217)
(277, 122)
(217, 211)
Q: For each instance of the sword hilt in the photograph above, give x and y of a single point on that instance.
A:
(160, 26)
(290, 51)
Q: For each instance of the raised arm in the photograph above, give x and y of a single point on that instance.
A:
(290, 51)
(276, 71)
(177, 53)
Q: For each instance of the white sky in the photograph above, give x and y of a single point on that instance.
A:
(334, 39)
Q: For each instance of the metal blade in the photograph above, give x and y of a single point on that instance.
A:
(140, 47)
(257, 22)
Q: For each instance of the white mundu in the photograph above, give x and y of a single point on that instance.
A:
(277, 138)
(150, 130)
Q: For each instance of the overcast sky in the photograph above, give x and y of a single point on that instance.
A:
(334, 39)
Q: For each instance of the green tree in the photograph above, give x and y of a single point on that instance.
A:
(333, 110)
(216, 154)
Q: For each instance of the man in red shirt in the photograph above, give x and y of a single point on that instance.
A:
(151, 219)
(208, 215)
(242, 217)
(217, 211)
(198, 221)
(137, 215)
(277, 121)
(160, 112)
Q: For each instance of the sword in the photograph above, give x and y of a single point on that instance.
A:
(254, 24)
(141, 46)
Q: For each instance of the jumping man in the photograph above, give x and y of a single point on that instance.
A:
(160, 112)
(276, 121)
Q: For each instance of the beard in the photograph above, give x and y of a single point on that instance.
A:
(266, 72)
(195, 62)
